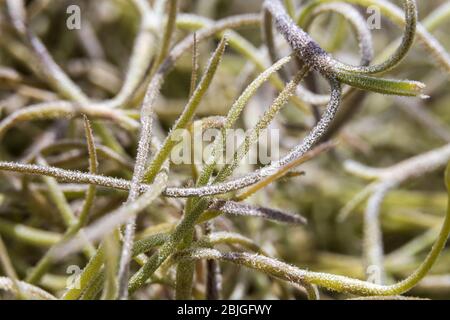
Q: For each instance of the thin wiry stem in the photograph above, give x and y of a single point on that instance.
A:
(241, 45)
(151, 91)
(168, 32)
(395, 14)
(364, 38)
(44, 263)
(189, 221)
(93, 168)
(213, 271)
(233, 115)
(388, 179)
(332, 282)
(143, 50)
(240, 209)
(155, 84)
(112, 254)
(31, 291)
(373, 242)
(64, 109)
(410, 7)
(314, 56)
(282, 171)
(422, 116)
(138, 175)
(9, 270)
(29, 235)
(261, 125)
(316, 133)
(106, 224)
(188, 113)
(148, 68)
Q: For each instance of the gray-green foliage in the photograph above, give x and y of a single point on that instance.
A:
(136, 216)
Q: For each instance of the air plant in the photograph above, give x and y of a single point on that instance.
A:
(107, 198)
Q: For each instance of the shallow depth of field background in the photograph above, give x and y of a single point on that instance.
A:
(380, 132)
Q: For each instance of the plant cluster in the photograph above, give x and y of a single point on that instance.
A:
(92, 207)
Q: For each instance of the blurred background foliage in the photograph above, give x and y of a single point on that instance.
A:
(380, 131)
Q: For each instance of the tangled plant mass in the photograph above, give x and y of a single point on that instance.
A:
(93, 205)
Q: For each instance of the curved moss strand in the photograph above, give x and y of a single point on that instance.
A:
(52, 73)
(332, 282)
(359, 25)
(434, 20)
(241, 45)
(395, 14)
(317, 58)
(185, 269)
(29, 235)
(44, 263)
(400, 53)
(234, 184)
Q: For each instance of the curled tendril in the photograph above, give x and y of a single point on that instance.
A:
(317, 58)
(364, 38)
(173, 242)
(410, 9)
